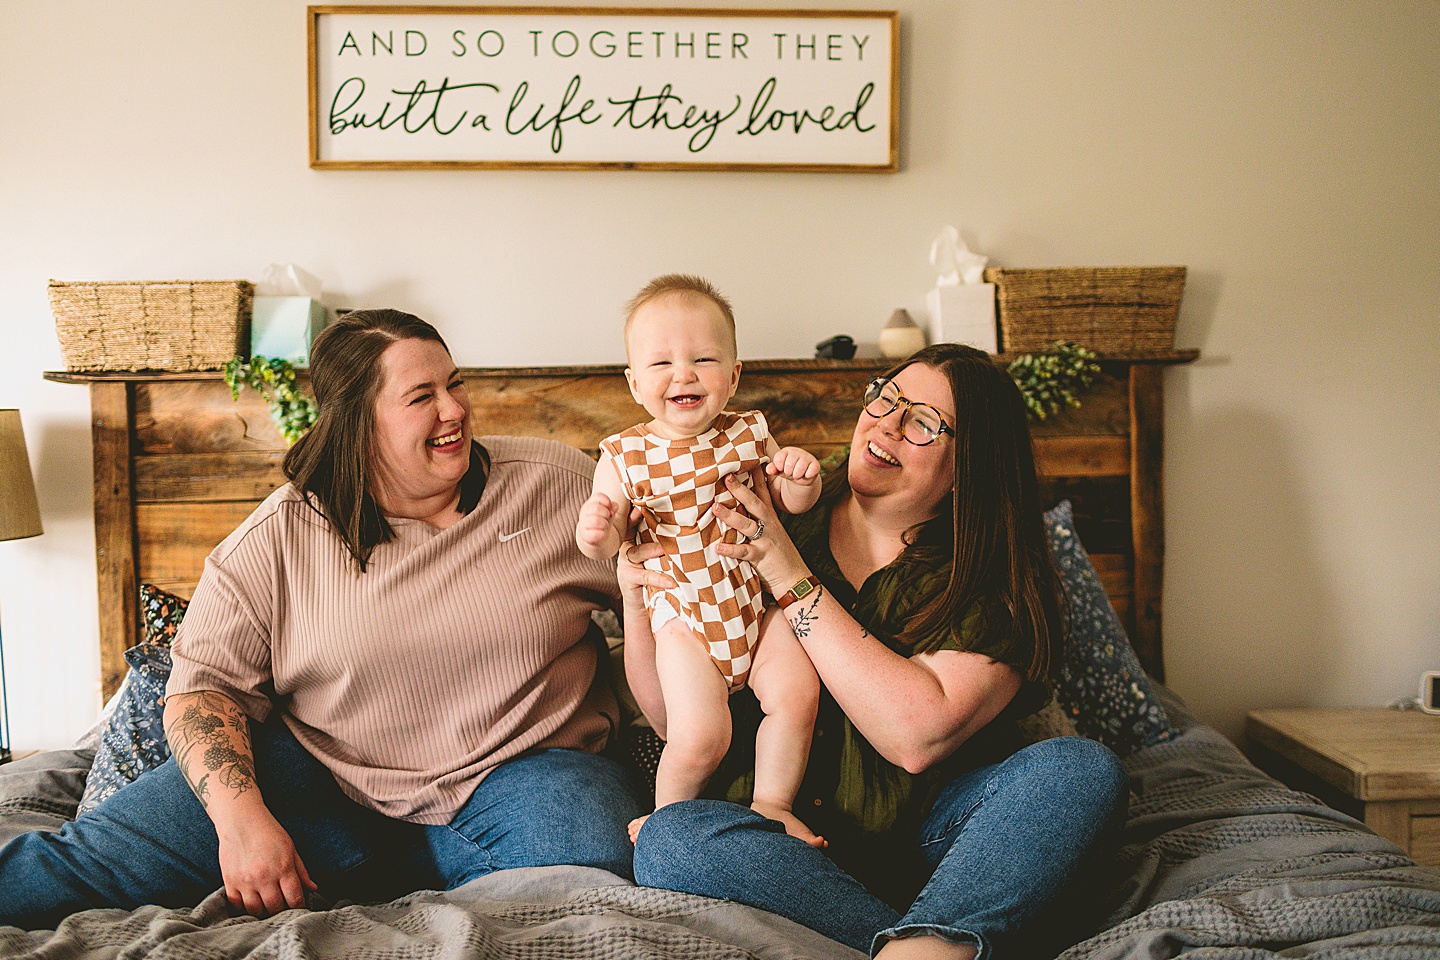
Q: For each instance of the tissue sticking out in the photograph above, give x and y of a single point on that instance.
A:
(956, 262)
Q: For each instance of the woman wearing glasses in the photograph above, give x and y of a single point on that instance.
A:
(921, 588)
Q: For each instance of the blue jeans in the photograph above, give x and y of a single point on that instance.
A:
(152, 841)
(1003, 841)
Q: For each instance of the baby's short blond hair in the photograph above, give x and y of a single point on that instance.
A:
(681, 284)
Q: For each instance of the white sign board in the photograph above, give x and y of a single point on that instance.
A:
(630, 88)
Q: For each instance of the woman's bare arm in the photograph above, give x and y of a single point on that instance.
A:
(209, 736)
(915, 711)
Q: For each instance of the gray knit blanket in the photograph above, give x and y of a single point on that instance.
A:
(1222, 862)
(1219, 862)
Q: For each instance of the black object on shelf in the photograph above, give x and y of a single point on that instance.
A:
(838, 347)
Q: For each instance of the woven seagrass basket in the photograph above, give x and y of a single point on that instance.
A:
(152, 324)
(1116, 311)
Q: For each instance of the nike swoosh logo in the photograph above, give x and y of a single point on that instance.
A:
(507, 537)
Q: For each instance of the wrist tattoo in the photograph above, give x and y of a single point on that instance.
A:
(805, 617)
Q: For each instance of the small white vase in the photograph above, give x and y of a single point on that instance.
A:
(901, 337)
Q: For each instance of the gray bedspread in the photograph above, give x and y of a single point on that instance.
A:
(1223, 862)
(1219, 861)
(539, 913)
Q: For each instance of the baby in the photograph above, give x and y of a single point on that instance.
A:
(712, 632)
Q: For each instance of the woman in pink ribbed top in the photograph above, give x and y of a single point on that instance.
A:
(386, 679)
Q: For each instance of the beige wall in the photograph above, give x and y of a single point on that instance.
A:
(1287, 152)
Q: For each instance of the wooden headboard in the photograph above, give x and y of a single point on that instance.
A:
(178, 464)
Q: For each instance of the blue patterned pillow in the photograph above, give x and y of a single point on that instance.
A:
(134, 737)
(1102, 686)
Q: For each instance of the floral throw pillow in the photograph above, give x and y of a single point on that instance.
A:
(160, 614)
(1102, 686)
(134, 738)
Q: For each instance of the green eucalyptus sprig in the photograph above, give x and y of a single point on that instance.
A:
(292, 410)
(1054, 379)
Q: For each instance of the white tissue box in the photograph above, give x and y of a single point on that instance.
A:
(964, 313)
(281, 328)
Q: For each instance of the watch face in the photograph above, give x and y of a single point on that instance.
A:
(802, 588)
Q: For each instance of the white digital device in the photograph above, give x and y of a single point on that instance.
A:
(1430, 691)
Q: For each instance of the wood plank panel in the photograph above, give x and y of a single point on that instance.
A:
(174, 477)
(1082, 456)
(1116, 577)
(184, 589)
(1114, 573)
(111, 409)
(1104, 409)
(198, 416)
(1101, 506)
(1147, 511)
(173, 539)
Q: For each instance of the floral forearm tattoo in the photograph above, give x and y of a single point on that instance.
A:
(803, 619)
(211, 744)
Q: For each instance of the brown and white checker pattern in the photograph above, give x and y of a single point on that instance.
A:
(676, 483)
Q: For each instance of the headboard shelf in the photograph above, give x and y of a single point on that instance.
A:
(802, 363)
(179, 464)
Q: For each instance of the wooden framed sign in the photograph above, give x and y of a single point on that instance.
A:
(591, 87)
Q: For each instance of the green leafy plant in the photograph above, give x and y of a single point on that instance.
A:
(292, 410)
(1054, 379)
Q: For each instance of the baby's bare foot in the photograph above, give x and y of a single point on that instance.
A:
(635, 826)
(792, 823)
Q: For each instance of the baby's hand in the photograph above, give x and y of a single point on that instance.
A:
(796, 465)
(597, 520)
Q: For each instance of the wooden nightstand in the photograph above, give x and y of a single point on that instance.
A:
(1381, 766)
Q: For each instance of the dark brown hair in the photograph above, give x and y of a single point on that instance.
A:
(332, 465)
(991, 530)
(683, 284)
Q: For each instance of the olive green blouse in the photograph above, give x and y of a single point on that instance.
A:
(850, 790)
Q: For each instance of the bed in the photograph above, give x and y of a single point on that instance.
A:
(1216, 857)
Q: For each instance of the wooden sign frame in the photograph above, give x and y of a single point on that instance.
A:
(587, 88)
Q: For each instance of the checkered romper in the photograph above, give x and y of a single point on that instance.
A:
(675, 483)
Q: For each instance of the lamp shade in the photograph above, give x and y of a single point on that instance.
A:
(19, 510)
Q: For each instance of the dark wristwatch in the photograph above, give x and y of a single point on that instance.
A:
(801, 589)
